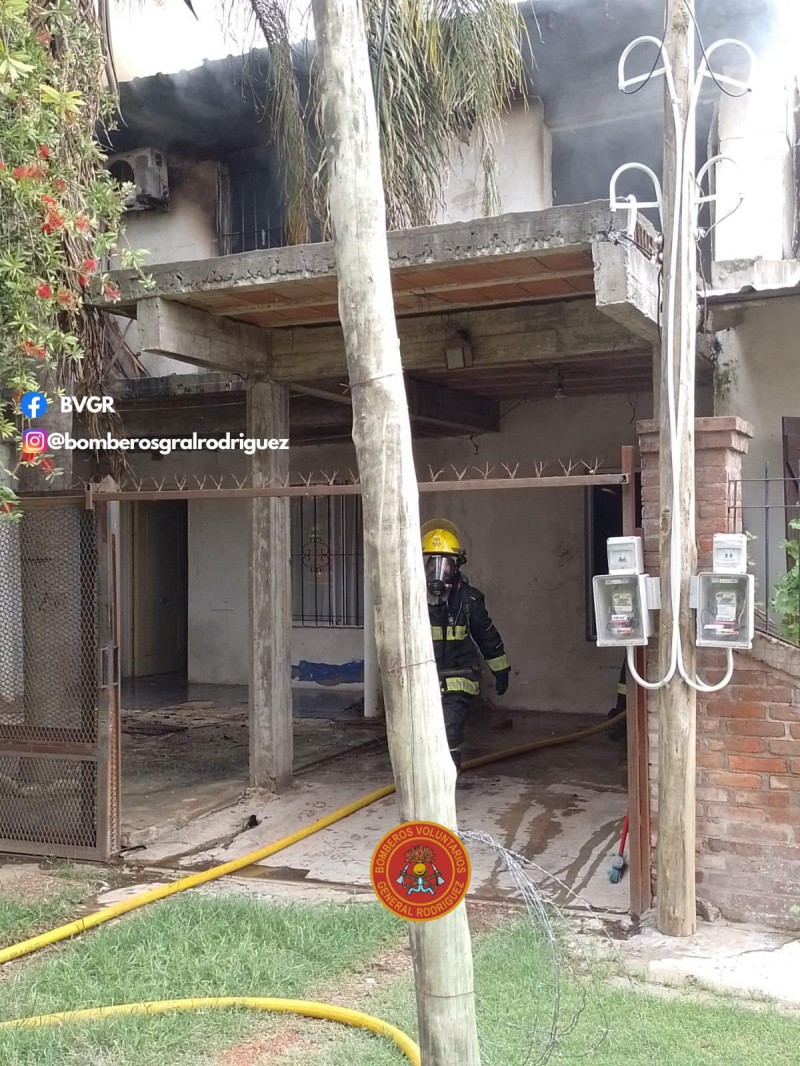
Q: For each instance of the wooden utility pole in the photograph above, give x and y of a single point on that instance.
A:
(675, 889)
(423, 771)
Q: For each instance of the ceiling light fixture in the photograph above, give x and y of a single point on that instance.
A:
(457, 352)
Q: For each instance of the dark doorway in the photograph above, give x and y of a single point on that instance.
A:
(159, 584)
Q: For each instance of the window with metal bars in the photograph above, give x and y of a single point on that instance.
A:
(327, 561)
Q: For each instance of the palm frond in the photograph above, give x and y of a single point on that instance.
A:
(287, 118)
(445, 67)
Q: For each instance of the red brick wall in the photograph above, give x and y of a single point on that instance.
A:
(748, 735)
(748, 795)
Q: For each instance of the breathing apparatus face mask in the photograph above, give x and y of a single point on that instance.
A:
(440, 571)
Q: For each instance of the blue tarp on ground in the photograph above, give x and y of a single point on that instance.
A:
(329, 673)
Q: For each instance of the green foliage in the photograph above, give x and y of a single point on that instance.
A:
(446, 72)
(786, 594)
(60, 209)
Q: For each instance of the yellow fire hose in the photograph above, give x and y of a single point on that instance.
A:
(308, 1009)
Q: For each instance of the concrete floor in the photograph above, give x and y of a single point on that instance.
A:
(185, 804)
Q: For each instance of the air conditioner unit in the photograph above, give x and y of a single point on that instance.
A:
(146, 170)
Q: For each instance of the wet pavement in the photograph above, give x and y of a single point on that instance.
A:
(185, 802)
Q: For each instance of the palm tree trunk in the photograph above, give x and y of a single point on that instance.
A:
(423, 771)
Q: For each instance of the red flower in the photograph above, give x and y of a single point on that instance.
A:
(43, 37)
(82, 223)
(2, 165)
(22, 173)
(46, 465)
(44, 151)
(32, 352)
(89, 265)
(59, 184)
(7, 507)
(65, 298)
(53, 222)
(111, 292)
(49, 201)
(44, 292)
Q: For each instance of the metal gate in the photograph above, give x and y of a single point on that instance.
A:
(59, 680)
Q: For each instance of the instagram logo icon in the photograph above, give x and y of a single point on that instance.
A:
(34, 441)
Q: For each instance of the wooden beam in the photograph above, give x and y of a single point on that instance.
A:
(677, 701)
(270, 701)
(183, 332)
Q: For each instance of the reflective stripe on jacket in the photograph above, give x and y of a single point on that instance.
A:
(462, 632)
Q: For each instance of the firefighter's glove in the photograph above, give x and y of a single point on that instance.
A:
(501, 682)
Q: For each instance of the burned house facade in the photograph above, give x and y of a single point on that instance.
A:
(529, 343)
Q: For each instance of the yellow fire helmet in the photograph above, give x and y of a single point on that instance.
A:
(440, 537)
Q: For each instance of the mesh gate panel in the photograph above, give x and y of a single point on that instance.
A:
(50, 712)
(48, 801)
(48, 675)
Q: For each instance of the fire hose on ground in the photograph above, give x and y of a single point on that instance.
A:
(302, 1007)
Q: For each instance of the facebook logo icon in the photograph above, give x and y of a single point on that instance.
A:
(33, 404)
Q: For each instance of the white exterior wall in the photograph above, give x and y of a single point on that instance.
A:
(760, 381)
(524, 171)
(756, 134)
(526, 552)
(188, 230)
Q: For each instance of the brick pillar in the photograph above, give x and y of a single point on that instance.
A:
(720, 443)
(748, 735)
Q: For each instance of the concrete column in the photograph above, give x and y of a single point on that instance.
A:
(373, 702)
(756, 132)
(270, 703)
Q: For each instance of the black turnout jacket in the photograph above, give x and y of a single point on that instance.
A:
(462, 632)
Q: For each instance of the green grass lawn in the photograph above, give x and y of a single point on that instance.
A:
(230, 945)
(68, 886)
(616, 1027)
(188, 946)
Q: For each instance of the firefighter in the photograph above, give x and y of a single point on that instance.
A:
(462, 631)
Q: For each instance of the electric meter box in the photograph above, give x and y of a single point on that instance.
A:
(621, 610)
(624, 555)
(730, 553)
(725, 610)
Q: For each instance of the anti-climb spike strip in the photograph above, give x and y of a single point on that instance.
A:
(354, 478)
(330, 478)
(460, 476)
(435, 476)
(484, 473)
(539, 467)
(511, 473)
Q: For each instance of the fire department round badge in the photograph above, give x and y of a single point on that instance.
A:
(420, 871)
